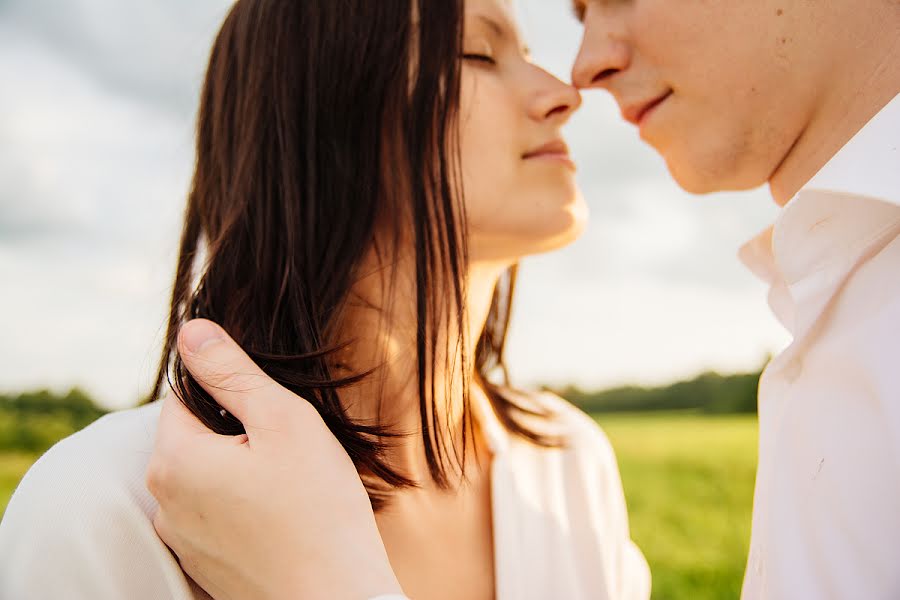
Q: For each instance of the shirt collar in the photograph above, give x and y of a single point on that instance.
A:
(831, 223)
(869, 164)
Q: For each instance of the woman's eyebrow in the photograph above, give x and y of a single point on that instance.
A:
(493, 25)
(499, 30)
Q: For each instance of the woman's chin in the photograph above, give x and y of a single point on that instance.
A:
(543, 233)
(562, 228)
(560, 240)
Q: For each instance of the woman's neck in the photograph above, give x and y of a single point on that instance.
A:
(382, 326)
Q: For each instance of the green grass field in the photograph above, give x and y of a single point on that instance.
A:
(689, 483)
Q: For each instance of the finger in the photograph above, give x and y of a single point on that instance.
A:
(177, 424)
(183, 449)
(228, 374)
(184, 555)
(179, 431)
(179, 419)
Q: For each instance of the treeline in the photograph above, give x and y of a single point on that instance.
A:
(708, 393)
(34, 421)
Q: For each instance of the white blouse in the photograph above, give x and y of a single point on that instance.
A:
(79, 525)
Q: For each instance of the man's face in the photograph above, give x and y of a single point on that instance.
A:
(722, 89)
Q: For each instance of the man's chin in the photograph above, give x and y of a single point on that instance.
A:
(701, 181)
(693, 184)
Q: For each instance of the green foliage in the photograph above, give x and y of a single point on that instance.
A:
(34, 421)
(12, 466)
(709, 393)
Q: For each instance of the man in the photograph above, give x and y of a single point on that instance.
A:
(733, 94)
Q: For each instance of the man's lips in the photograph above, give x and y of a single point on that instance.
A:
(635, 113)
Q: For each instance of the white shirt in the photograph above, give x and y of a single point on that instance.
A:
(79, 525)
(826, 521)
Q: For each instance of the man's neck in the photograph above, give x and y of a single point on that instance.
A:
(851, 103)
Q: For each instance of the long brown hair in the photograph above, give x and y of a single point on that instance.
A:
(312, 127)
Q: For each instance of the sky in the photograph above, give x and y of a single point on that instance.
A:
(97, 113)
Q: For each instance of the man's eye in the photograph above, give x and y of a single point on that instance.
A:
(480, 58)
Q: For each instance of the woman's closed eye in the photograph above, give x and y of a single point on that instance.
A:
(479, 50)
(482, 58)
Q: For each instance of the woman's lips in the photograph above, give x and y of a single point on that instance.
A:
(557, 150)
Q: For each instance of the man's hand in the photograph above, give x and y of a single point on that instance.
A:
(278, 513)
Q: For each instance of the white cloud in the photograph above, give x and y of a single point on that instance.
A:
(152, 51)
(92, 185)
(611, 332)
(77, 158)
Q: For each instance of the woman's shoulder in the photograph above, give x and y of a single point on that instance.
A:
(80, 521)
(111, 451)
(580, 434)
(98, 466)
(579, 484)
(584, 463)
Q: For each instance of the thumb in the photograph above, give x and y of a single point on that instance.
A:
(227, 374)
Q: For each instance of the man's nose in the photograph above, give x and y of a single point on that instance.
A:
(604, 53)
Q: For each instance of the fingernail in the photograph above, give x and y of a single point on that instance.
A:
(199, 334)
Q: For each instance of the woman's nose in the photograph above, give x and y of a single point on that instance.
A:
(558, 101)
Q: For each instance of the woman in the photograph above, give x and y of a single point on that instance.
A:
(368, 176)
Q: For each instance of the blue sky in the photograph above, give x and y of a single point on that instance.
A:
(96, 125)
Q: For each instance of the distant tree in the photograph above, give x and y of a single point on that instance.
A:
(709, 392)
(33, 421)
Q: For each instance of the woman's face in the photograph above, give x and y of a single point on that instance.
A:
(519, 181)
